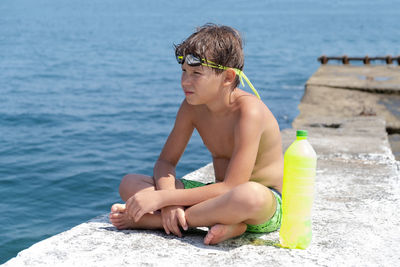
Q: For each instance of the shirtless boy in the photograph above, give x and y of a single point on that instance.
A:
(244, 140)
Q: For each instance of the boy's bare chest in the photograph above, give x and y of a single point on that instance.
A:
(218, 136)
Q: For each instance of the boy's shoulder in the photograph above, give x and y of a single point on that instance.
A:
(251, 107)
(254, 114)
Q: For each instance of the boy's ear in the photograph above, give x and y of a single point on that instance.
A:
(230, 76)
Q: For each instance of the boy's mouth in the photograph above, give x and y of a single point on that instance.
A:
(188, 93)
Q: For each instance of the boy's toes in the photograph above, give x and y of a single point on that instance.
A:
(116, 219)
(118, 208)
(115, 215)
(209, 237)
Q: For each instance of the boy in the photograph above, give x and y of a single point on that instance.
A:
(240, 132)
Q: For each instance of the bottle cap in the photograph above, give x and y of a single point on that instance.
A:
(301, 133)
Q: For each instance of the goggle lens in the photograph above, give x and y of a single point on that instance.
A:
(190, 59)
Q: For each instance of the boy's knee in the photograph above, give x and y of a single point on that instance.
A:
(129, 185)
(251, 196)
(133, 183)
(126, 180)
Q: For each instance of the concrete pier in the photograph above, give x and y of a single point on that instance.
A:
(355, 218)
(334, 93)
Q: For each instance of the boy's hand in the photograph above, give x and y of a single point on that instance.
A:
(172, 216)
(142, 203)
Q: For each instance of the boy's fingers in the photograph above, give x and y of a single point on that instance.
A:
(137, 218)
(166, 229)
(176, 230)
(173, 225)
(128, 204)
(165, 222)
(182, 221)
(137, 215)
(130, 210)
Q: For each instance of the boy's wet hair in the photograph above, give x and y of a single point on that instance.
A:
(217, 43)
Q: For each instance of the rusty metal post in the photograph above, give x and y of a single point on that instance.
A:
(366, 60)
(389, 59)
(323, 59)
(345, 60)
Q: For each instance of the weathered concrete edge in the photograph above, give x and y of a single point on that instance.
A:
(354, 239)
(370, 89)
(97, 243)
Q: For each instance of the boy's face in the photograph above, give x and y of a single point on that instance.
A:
(200, 84)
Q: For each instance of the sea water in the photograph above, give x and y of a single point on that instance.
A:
(89, 90)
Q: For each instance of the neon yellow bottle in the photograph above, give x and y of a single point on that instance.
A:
(300, 162)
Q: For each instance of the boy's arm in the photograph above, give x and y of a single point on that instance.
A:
(247, 136)
(164, 169)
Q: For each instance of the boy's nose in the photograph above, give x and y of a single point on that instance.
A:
(185, 80)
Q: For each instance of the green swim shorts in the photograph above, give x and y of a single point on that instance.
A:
(192, 184)
(271, 225)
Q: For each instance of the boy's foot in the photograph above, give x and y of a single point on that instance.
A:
(119, 218)
(222, 232)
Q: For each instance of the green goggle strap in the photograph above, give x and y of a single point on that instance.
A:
(237, 71)
(243, 76)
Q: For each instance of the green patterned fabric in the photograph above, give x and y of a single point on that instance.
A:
(272, 224)
(192, 184)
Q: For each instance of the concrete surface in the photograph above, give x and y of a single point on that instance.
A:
(355, 218)
(371, 78)
(334, 93)
(343, 91)
(321, 102)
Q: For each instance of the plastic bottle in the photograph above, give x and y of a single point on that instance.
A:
(299, 170)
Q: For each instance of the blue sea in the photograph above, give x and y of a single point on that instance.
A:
(89, 90)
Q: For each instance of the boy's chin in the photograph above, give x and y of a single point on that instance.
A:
(192, 101)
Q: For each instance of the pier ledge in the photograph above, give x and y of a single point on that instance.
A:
(355, 218)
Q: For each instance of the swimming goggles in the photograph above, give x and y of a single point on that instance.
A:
(194, 61)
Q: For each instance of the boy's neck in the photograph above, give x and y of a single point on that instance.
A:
(223, 104)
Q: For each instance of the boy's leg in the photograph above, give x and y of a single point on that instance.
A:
(130, 185)
(249, 203)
